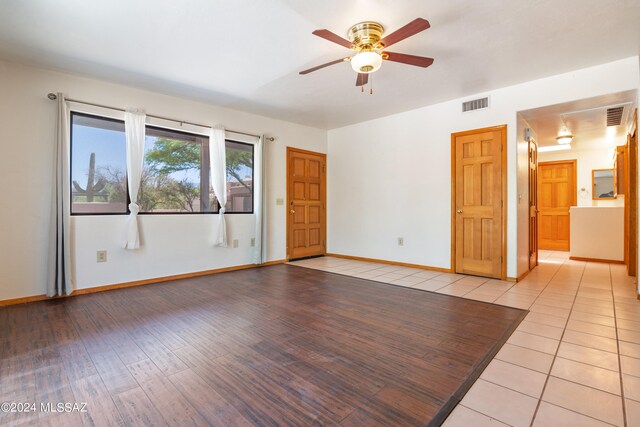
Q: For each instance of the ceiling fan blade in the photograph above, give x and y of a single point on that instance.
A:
(362, 79)
(418, 61)
(328, 35)
(310, 70)
(413, 27)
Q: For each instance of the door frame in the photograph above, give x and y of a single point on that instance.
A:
(503, 167)
(575, 190)
(323, 196)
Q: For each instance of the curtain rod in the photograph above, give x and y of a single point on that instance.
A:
(52, 96)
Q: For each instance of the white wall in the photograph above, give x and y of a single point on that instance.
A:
(397, 169)
(172, 244)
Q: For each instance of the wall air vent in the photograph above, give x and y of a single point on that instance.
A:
(614, 116)
(475, 104)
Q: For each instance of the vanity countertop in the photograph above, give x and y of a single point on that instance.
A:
(597, 207)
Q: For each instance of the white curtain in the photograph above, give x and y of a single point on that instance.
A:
(60, 281)
(258, 201)
(134, 126)
(218, 176)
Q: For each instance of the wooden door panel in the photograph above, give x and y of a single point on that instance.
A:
(478, 203)
(556, 194)
(298, 166)
(314, 215)
(487, 189)
(315, 167)
(563, 194)
(486, 243)
(299, 190)
(468, 185)
(545, 173)
(314, 237)
(544, 194)
(299, 238)
(467, 150)
(563, 228)
(486, 148)
(314, 191)
(547, 226)
(466, 237)
(306, 222)
(299, 215)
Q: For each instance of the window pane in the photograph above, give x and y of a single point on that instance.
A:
(171, 175)
(98, 165)
(239, 177)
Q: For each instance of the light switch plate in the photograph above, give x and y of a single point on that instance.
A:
(279, 201)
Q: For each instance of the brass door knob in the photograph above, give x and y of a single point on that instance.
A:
(292, 211)
(459, 211)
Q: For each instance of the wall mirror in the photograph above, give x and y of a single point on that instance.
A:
(604, 184)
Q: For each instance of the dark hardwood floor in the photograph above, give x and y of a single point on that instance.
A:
(280, 345)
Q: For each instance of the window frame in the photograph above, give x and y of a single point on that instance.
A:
(128, 200)
(205, 161)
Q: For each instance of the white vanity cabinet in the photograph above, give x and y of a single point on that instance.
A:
(597, 233)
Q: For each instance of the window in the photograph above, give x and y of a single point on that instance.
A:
(239, 177)
(175, 175)
(98, 165)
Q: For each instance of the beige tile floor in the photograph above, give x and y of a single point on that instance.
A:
(573, 361)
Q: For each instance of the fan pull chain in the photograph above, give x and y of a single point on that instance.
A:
(370, 84)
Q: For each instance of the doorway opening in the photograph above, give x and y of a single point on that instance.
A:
(581, 184)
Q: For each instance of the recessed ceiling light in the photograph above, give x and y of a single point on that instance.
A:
(548, 148)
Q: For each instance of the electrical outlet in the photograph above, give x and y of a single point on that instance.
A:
(253, 242)
(235, 243)
(101, 256)
(400, 241)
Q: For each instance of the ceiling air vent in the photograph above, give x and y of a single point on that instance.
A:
(614, 116)
(475, 104)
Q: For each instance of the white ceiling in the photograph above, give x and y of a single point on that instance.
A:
(246, 54)
(585, 119)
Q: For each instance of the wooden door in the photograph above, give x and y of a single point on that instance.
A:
(556, 193)
(306, 197)
(631, 200)
(625, 179)
(533, 204)
(479, 184)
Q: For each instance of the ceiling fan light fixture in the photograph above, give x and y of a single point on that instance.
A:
(366, 62)
(564, 138)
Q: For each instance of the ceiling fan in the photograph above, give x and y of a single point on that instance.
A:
(366, 40)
